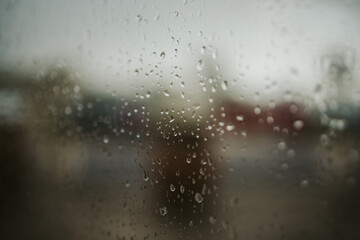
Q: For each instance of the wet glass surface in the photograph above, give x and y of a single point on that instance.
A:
(179, 119)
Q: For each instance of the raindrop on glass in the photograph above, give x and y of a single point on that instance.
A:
(240, 118)
(298, 125)
(304, 183)
(198, 198)
(224, 85)
(162, 55)
(230, 127)
(200, 65)
(182, 189)
(212, 220)
(146, 176)
(284, 166)
(68, 110)
(163, 211)
(282, 146)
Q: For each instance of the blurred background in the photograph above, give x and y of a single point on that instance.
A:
(179, 119)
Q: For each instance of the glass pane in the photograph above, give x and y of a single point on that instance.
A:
(179, 119)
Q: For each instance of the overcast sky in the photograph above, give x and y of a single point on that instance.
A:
(254, 43)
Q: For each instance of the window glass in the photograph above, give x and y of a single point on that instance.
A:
(179, 119)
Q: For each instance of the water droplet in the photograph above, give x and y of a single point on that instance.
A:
(230, 127)
(270, 120)
(293, 109)
(200, 65)
(272, 104)
(291, 153)
(257, 96)
(172, 187)
(166, 93)
(68, 110)
(304, 183)
(127, 184)
(298, 124)
(282, 146)
(257, 110)
(198, 198)
(156, 17)
(176, 13)
(213, 89)
(106, 140)
(148, 94)
(162, 55)
(224, 85)
(217, 67)
(337, 124)
(243, 134)
(138, 18)
(77, 88)
(80, 107)
(163, 211)
(214, 54)
(182, 189)
(284, 166)
(212, 220)
(146, 176)
(196, 106)
(324, 139)
(188, 159)
(240, 118)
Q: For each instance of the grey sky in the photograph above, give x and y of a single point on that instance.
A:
(255, 42)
